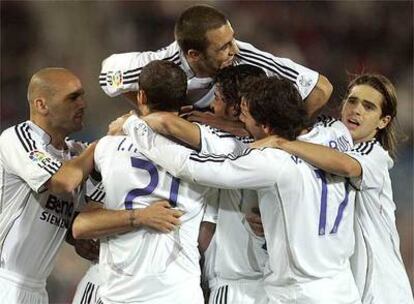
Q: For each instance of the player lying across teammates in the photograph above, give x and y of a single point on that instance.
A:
(328, 230)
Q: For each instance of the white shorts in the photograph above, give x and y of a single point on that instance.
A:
(250, 292)
(88, 287)
(188, 292)
(15, 289)
(340, 289)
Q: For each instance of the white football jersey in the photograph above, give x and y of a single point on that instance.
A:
(236, 253)
(377, 264)
(120, 72)
(307, 214)
(144, 265)
(33, 221)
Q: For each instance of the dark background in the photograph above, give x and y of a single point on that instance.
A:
(336, 38)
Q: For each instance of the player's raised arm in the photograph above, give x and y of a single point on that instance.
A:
(327, 159)
(71, 174)
(331, 159)
(319, 96)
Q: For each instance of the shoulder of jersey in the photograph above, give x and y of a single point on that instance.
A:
(10, 131)
(24, 134)
(224, 134)
(326, 121)
(367, 147)
(248, 54)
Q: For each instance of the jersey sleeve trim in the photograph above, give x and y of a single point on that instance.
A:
(23, 132)
(202, 158)
(364, 148)
(326, 121)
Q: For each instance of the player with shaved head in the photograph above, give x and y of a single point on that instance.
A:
(39, 188)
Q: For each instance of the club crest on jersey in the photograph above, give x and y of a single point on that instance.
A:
(40, 158)
(305, 81)
(141, 129)
(115, 79)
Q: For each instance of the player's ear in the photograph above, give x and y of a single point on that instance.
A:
(40, 105)
(383, 122)
(267, 129)
(142, 97)
(193, 55)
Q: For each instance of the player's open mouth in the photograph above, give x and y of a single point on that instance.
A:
(352, 123)
(79, 116)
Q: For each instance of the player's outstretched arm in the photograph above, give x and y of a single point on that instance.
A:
(218, 171)
(322, 157)
(72, 173)
(100, 222)
(319, 96)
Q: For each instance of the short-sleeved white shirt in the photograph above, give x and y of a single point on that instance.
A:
(33, 221)
(145, 265)
(377, 263)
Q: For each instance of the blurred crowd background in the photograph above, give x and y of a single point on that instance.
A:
(336, 38)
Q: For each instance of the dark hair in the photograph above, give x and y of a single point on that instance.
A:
(193, 24)
(232, 80)
(277, 104)
(164, 84)
(386, 136)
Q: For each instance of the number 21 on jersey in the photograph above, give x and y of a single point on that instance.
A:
(153, 172)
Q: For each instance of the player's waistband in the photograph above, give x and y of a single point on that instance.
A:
(21, 281)
(217, 282)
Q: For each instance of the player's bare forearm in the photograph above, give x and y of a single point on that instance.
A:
(272, 141)
(172, 125)
(319, 96)
(233, 127)
(101, 222)
(73, 172)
